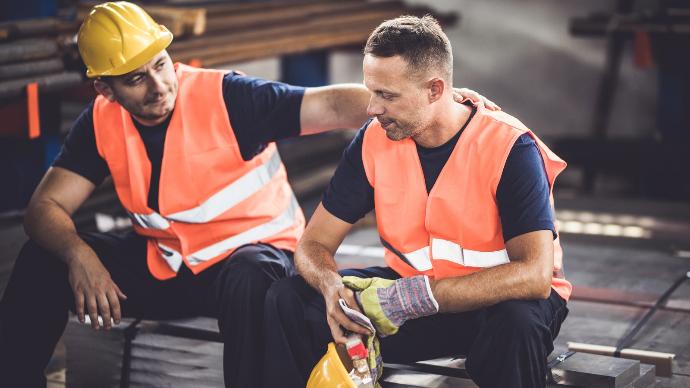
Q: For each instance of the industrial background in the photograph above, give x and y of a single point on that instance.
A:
(605, 83)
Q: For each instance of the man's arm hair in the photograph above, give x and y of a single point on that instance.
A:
(315, 251)
(527, 276)
(48, 219)
(331, 107)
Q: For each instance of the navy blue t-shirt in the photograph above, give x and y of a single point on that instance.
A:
(522, 194)
(260, 111)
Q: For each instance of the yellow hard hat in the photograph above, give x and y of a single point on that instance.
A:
(330, 372)
(118, 37)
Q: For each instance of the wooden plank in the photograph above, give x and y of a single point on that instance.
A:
(19, 29)
(28, 49)
(261, 19)
(351, 31)
(184, 21)
(26, 69)
(46, 83)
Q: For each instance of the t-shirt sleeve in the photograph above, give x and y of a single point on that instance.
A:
(261, 111)
(349, 196)
(523, 191)
(79, 153)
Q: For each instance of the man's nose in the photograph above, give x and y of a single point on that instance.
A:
(374, 108)
(156, 83)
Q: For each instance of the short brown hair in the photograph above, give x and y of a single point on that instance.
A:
(420, 41)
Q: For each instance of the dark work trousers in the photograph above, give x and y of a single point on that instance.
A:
(506, 344)
(34, 309)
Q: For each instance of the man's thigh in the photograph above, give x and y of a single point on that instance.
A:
(244, 277)
(456, 334)
(440, 335)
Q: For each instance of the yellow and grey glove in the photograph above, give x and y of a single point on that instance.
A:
(390, 303)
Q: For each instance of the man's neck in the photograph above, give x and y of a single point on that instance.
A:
(151, 122)
(447, 124)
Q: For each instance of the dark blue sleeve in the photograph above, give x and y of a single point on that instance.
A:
(349, 196)
(523, 191)
(261, 111)
(79, 153)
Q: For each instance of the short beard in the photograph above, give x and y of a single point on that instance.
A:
(402, 132)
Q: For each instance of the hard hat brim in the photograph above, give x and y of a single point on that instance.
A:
(330, 372)
(140, 59)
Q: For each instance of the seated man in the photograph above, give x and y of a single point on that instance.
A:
(464, 211)
(193, 161)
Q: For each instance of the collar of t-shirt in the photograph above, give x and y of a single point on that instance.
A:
(433, 159)
(154, 139)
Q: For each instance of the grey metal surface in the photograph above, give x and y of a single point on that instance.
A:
(590, 370)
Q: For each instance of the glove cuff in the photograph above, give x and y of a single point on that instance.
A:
(431, 294)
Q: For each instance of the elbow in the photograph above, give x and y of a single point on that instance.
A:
(541, 285)
(29, 216)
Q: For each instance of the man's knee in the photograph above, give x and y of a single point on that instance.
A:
(258, 262)
(519, 321)
(35, 266)
(283, 296)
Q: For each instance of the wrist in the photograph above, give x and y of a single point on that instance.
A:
(430, 292)
(330, 280)
(77, 253)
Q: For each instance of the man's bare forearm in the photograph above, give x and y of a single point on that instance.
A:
(342, 106)
(316, 265)
(351, 104)
(51, 227)
(511, 281)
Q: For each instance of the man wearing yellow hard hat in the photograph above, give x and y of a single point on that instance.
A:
(192, 156)
(464, 212)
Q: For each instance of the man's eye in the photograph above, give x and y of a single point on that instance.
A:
(386, 96)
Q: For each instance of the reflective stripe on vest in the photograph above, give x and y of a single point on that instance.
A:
(441, 249)
(257, 233)
(150, 221)
(219, 202)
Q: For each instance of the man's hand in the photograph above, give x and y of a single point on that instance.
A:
(390, 303)
(336, 318)
(463, 94)
(93, 288)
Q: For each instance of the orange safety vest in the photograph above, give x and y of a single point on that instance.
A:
(455, 229)
(211, 201)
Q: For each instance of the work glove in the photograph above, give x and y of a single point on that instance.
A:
(374, 359)
(390, 303)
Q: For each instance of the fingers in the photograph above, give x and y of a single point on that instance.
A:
(104, 309)
(350, 299)
(491, 105)
(463, 94)
(79, 305)
(339, 316)
(336, 331)
(114, 302)
(119, 292)
(92, 308)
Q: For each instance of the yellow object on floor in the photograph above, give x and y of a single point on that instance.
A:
(330, 372)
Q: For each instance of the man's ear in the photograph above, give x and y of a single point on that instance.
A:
(436, 87)
(104, 89)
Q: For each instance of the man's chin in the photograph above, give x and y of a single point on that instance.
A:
(395, 136)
